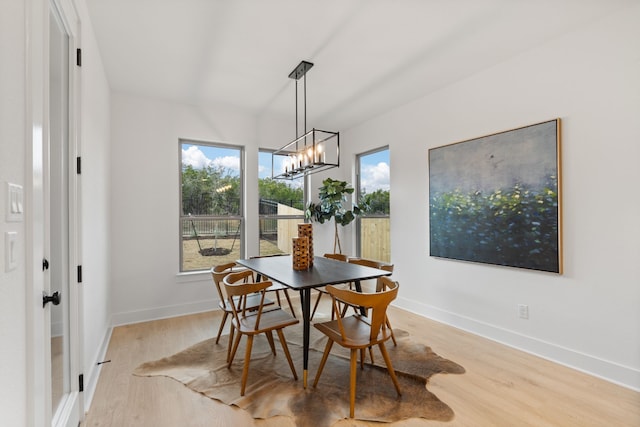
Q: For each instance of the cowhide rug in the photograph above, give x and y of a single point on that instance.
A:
(272, 391)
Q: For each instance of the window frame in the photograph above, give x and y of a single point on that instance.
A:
(241, 205)
(358, 196)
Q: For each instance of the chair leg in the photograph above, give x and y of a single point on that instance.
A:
(278, 298)
(345, 307)
(286, 352)
(234, 349)
(232, 331)
(352, 382)
(315, 306)
(362, 356)
(269, 335)
(393, 337)
(392, 372)
(286, 294)
(247, 359)
(325, 356)
(222, 322)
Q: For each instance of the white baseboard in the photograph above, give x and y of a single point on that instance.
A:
(156, 313)
(91, 377)
(610, 371)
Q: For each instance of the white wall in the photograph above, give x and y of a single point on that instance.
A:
(13, 315)
(589, 317)
(145, 201)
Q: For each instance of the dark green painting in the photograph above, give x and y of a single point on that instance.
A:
(496, 199)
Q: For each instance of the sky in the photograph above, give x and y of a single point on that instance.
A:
(200, 156)
(374, 167)
(374, 171)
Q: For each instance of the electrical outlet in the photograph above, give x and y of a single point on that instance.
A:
(523, 311)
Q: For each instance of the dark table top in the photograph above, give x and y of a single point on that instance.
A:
(325, 271)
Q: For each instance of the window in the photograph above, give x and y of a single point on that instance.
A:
(210, 205)
(373, 187)
(281, 207)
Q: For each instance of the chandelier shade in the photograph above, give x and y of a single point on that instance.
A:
(311, 152)
(315, 151)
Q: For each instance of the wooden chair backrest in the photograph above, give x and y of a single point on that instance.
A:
(377, 302)
(380, 284)
(339, 257)
(365, 262)
(385, 283)
(218, 272)
(373, 264)
(237, 286)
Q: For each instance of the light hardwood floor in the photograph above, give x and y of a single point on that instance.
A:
(501, 386)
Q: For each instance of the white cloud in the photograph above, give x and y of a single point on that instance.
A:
(228, 162)
(375, 177)
(192, 156)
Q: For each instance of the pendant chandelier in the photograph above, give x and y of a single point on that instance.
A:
(310, 152)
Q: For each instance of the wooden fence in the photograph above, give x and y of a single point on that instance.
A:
(287, 228)
(375, 235)
(376, 239)
(209, 227)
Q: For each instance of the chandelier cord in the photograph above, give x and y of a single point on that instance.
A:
(297, 115)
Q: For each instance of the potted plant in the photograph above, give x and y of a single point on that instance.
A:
(333, 194)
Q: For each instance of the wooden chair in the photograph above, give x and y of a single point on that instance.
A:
(321, 291)
(380, 286)
(251, 323)
(277, 287)
(358, 332)
(252, 302)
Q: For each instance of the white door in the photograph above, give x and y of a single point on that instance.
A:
(61, 239)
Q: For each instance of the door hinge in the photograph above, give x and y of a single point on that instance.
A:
(81, 383)
(79, 274)
(78, 165)
(79, 57)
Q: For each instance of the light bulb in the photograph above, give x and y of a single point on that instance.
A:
(321, 154)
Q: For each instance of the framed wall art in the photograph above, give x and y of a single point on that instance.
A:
(496, 199)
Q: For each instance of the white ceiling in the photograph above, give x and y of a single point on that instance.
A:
(369, 55)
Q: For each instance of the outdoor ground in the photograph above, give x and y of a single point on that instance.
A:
(193, 260)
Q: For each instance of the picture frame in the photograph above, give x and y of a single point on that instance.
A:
(497, 200)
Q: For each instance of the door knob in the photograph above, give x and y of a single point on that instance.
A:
(45, 264)
(53, 299)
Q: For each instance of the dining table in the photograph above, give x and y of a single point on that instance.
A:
(324, 271)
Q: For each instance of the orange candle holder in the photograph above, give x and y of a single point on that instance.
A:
(306, 230)
(300, 253)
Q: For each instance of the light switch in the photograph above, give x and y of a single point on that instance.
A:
(10, 250)
(15, 202)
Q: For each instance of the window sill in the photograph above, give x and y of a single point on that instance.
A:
(193, 276)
